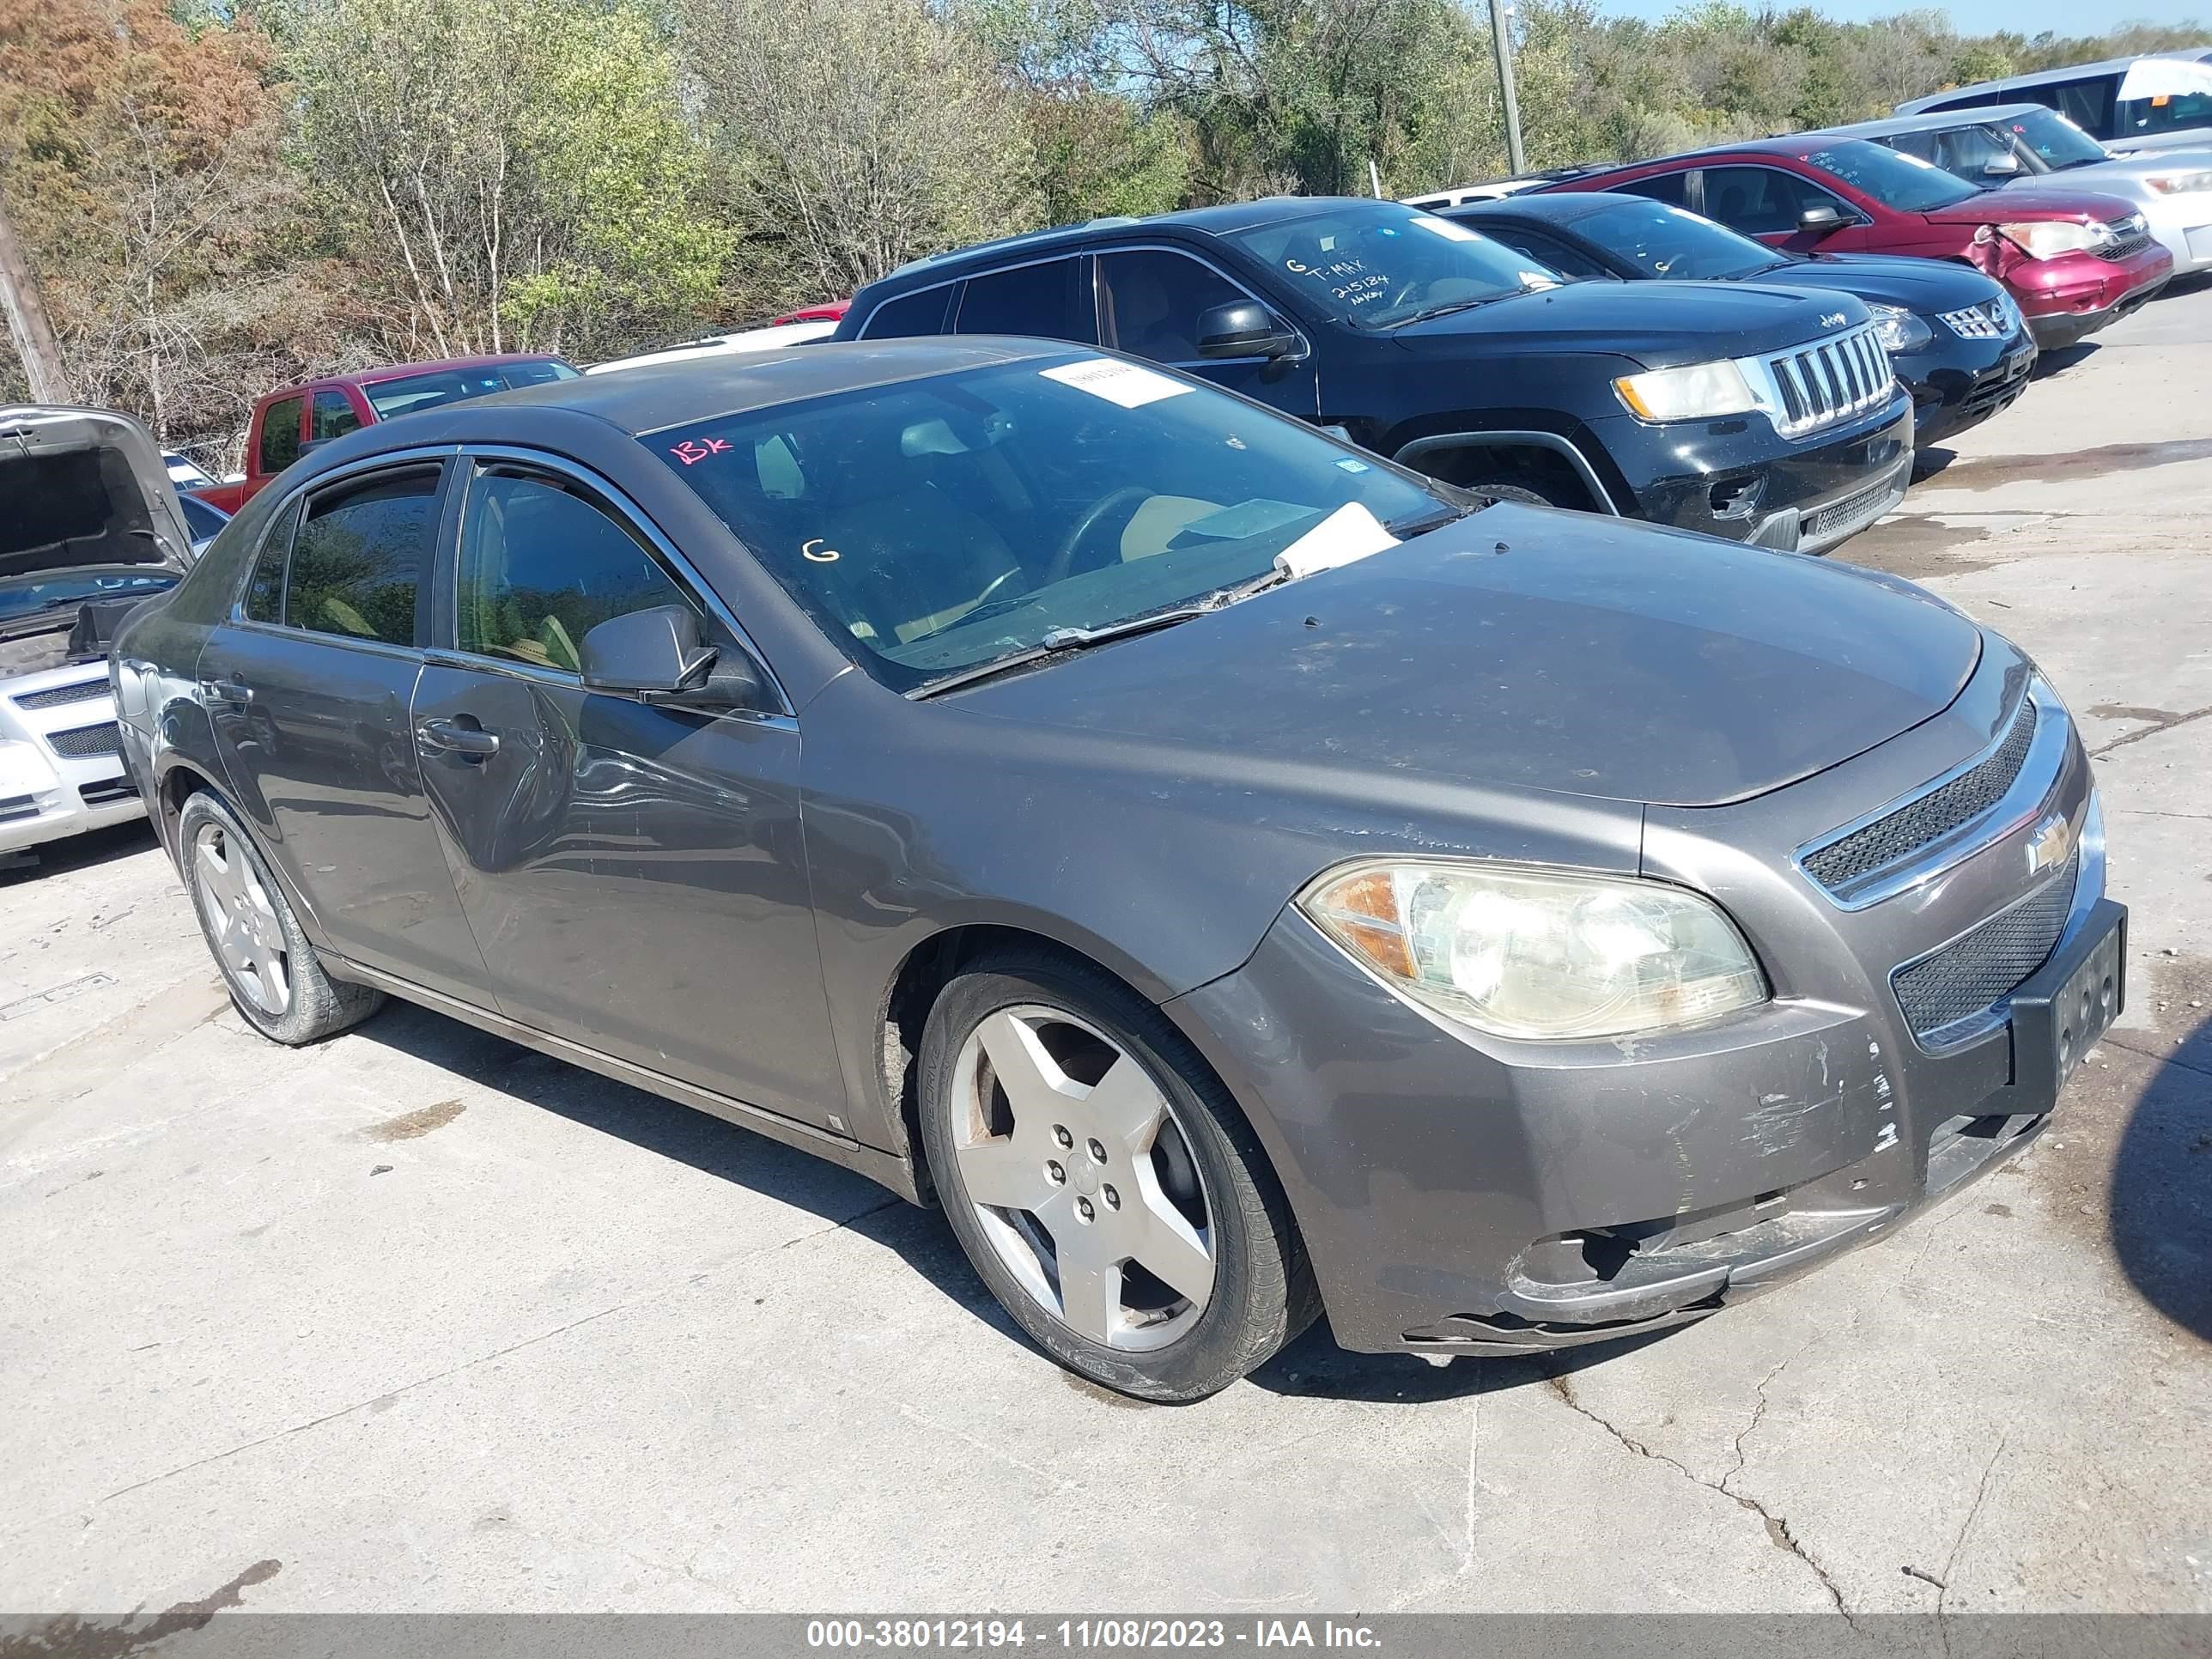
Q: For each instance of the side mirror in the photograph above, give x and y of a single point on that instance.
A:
(651, 655)
(2001, 166)
(1820, 220)
(1244, 328)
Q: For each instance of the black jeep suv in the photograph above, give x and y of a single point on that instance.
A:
(1754, 414)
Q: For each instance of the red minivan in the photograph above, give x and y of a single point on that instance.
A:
(2072, 259)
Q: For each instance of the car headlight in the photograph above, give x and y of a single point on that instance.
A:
(1897, 329)
(1539, 954)
(2180, 183)
(2047, 238)
(1698, 392)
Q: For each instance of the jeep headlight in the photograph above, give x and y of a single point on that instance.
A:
(1897, 329)
(1698, 392)
(1538, 954)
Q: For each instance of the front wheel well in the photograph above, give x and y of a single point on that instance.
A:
(1547, 472)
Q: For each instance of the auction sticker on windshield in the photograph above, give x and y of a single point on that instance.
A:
(1124, 384)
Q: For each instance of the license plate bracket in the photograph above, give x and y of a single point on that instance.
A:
(2059, 1014)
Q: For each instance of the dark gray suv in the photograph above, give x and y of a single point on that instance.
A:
(1237, 876)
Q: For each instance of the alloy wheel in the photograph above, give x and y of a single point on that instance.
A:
(249, 938)
(1081, 1178)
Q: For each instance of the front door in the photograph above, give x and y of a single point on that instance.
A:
(634, 874)
(1149, 300)
(309, 687)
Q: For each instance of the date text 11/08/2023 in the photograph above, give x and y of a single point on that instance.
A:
(1085, 1635)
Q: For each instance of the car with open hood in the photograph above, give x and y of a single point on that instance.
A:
(1234, 875)
(1954, 336)
(89, 526)
(1752, 415)
(2073, 260)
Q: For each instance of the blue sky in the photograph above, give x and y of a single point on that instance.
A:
(1985, 16)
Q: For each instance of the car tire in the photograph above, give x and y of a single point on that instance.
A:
(1180, 1169)
(1499, 491)
(272, 973)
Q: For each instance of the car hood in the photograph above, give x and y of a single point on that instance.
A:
(1918, 285)
(1527, 648)
(84, 489)
(1658, 324)
(2040, 200)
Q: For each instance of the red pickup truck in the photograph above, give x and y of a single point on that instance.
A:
(288, 422)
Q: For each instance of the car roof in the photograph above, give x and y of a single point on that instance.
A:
(652, 396)
(1938, 121)
(392, 371)
(2071, 72)
(1223, 219)
(1561, 209)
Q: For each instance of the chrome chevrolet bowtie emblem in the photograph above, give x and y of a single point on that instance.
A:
(2050, 846)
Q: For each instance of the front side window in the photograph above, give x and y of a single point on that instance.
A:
(1766, 201)
(1904, 184)
(1151, 300)
(333, 415)
(280, 434)
(1379, 264)
(1980, 155)
(1674, 242)
(1051, 299)
(2087, 103)
(358, 559)
(542, 563)
(936, 525)
(1547, 251)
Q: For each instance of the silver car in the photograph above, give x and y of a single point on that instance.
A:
(2005, 144)
(2160, 101)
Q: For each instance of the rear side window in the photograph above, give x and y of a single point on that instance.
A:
(358, 559)
(280, 434)
(1670, 187)
(2087, 103)
(909, 315)
(333, 415)
(1051, 299)
(1152, 300)
(542, 563)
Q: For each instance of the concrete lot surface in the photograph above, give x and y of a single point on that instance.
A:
(416, 1319)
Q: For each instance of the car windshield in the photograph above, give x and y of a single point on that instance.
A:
(1672, 242)
(1905, 183)
(935, 526)
(1376, 264)
(37, 596)
(406, 393)
(2053, 140)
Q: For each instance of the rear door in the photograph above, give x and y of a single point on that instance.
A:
(634, 874)
(308, 684)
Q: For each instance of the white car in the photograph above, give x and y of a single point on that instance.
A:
(99, 528)
(2162, 101)
(1495, 190)
(2005, 144)
(185, 472)
(770, 338)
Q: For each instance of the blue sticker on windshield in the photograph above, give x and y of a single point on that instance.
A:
(1345, 464)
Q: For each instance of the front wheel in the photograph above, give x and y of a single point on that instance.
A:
(1109, 1193)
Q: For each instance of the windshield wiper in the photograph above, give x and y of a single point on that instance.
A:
(1059, 641)
(1447, 310)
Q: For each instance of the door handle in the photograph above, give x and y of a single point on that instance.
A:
(451, 737)
(230, 690)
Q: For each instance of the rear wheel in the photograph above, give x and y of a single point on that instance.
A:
(1108, 1192)
(270, 970)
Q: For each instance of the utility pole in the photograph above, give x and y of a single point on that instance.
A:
(26, 318)
(1501, 42)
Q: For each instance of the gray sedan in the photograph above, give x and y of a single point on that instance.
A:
(1235, 877)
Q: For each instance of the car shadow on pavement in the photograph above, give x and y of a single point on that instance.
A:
(1315, 1367)
(2161, 1202)
(84, 852)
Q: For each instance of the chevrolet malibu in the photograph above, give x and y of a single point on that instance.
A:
(1234, 876)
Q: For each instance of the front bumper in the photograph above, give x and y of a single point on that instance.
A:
(2070, 298)
(61, 765)
(1737, 478)
(1957, 384)
(1460, 1193)
(2183, 226)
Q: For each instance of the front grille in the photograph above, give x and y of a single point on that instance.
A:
(55, 696)
(1993, 321)
(2130, 236)
(1994, 391)
(1827, 381)
(1892, 839)
(1978, 969)
(1850, 512)
(83, 742)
